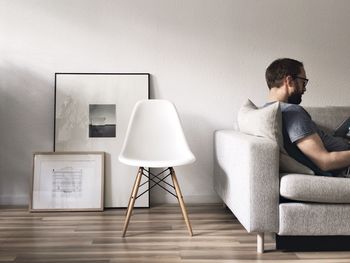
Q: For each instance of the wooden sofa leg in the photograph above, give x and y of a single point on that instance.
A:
(260, 242)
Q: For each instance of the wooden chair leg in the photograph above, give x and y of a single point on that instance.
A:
(181, 201)
(132, 190)
(260, 242)
(132, 200)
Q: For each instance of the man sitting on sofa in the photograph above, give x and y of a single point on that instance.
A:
(303, 140)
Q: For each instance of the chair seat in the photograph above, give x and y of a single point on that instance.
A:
(311, 188)
(156, 163)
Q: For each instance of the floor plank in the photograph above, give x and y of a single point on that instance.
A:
(158, 234)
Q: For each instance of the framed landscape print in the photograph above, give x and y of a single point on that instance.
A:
(92, 111)
(68, 181)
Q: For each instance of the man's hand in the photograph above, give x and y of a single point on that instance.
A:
(312, 146)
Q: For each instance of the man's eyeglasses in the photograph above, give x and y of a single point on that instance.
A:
(305, 81)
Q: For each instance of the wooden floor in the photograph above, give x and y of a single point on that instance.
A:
(158, 234)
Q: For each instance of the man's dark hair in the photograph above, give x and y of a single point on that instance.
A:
(281, 68)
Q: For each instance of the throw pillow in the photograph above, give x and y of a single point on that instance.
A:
(267, 122)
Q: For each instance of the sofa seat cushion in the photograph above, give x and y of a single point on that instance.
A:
(312, 219)
(311, 188)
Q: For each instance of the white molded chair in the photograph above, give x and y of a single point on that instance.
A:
(155, 139)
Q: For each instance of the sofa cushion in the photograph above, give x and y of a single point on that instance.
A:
(266, 122)
(320, 189)
(309, 219)
(329, 118)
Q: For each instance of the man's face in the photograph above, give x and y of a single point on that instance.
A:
(298, 87)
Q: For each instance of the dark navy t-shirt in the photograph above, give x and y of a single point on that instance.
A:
(297, 124)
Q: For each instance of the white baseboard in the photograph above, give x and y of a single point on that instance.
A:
(164, 199)
(190, 199)
(14, 199)
(198, 199)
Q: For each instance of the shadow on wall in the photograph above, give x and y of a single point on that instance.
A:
(26, 116)
(153, 89)
(196, 179)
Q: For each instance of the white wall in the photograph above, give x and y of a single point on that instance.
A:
(206, 56)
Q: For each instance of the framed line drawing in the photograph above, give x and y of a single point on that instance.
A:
(67, 181)
(92, 112)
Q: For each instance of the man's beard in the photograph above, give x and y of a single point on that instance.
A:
(295, 98)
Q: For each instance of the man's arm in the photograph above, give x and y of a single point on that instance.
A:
(312, 146)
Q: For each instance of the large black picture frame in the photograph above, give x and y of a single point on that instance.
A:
(74, 92)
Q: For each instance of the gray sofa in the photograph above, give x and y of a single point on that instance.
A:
(248, 181)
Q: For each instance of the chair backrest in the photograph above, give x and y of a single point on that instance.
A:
(155, 137)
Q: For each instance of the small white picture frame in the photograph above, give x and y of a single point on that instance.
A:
(67, 181)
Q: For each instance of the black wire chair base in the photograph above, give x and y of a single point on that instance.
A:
(157, 179)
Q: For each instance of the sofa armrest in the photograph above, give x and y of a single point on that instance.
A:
(246, 177)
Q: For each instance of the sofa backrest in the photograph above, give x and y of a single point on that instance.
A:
(330, 117)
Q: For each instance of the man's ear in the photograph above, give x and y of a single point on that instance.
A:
(288, 81)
